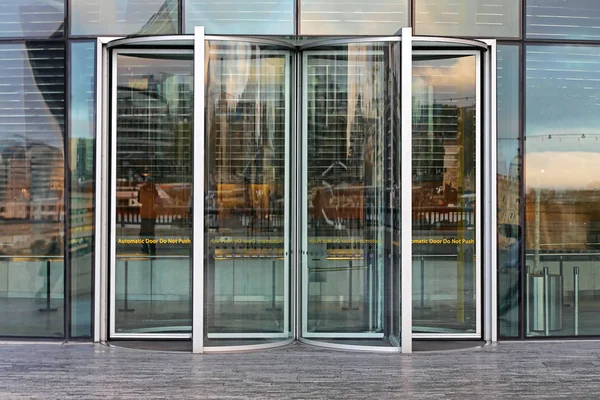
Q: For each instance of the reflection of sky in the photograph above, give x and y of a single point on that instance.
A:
(240, 16)
(563, 108)
(82, 89)
(24, 111)
(563, 19)
(508, 107)
(343, 17)
(40, 18)
(121, 16)
(489, 18)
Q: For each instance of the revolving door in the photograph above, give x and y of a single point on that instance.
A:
(266, 190)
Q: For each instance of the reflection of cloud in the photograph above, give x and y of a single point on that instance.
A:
(456, 72)
(562, 170)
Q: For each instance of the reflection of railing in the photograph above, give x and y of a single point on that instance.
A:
(45, 260)
(167, 216)
(442, 217)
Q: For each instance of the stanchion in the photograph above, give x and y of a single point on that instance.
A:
(126, 308)
(273, 307)
(576, 299)
(422, 303)
(546, 303)
(350, 306)
(527, 298)
(48, 308)
(561, 264)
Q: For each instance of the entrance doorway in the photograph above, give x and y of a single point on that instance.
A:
(329, 191)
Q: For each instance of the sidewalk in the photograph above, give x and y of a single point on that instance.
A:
(541, 370)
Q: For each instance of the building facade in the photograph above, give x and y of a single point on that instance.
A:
(305, 119)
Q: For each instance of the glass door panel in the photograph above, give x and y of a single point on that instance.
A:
(247, 273)
(350, 190)
(446, 273)
(152, 98)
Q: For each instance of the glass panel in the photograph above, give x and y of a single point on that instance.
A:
(153, 187)
(124, 17)
(340, 17)
(247, 140)
(241, 17)
(351, 273)
(82, 110)
(508, 179)
(553, 19)
(562, 190)
(476, 18)
(444, 193)
(32, 18)
(31, 189)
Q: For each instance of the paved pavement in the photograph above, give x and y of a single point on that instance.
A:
(509, 370)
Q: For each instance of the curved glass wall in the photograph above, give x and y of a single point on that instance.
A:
(152, 166)
(445, 192)
(303, 211)
(351, 191)
(247, 131)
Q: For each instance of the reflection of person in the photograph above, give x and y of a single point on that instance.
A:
(510, 268)
(150, 201)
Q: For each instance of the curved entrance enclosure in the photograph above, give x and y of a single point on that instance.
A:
(266, 190)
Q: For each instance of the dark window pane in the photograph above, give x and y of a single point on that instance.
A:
(489, 18)
(31, 189)
(81, 161)
(240, 16)
(563, 187)
(358, 17)
(560, 19)
(31, 18)
(124, 17)
(509, 232)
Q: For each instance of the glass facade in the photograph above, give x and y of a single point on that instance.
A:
(474, 18)
(547, 236)
(341, 17)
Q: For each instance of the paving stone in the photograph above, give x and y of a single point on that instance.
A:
(539, 370)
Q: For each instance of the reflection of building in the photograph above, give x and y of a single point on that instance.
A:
(32, 182)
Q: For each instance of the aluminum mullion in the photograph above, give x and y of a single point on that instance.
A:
(406, 193)
(198, 195)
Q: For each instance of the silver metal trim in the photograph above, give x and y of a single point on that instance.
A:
(491, 192)
(336, 346)
(406, 190)
(113, 194)
(150, 40)
(345, 335)
(304, 185)
(286, 206)
(152, 335)
(198, 227)
(480, 196)
(249, 335)
(479, 206)
(447, 336)
(98, 239)
(446, 40)
(348, 40)
(250, 347)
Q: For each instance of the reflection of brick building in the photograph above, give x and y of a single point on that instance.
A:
(31, 182)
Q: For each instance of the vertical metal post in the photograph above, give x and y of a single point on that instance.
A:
(273, 287)
(527, 299)
(546, 303)
(350, 305)
(48, 308)
(406, 179)
(198, 257)
(576, 300)
(126, 308)
(422, 302)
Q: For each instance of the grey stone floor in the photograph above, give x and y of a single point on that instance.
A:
(541, 370)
